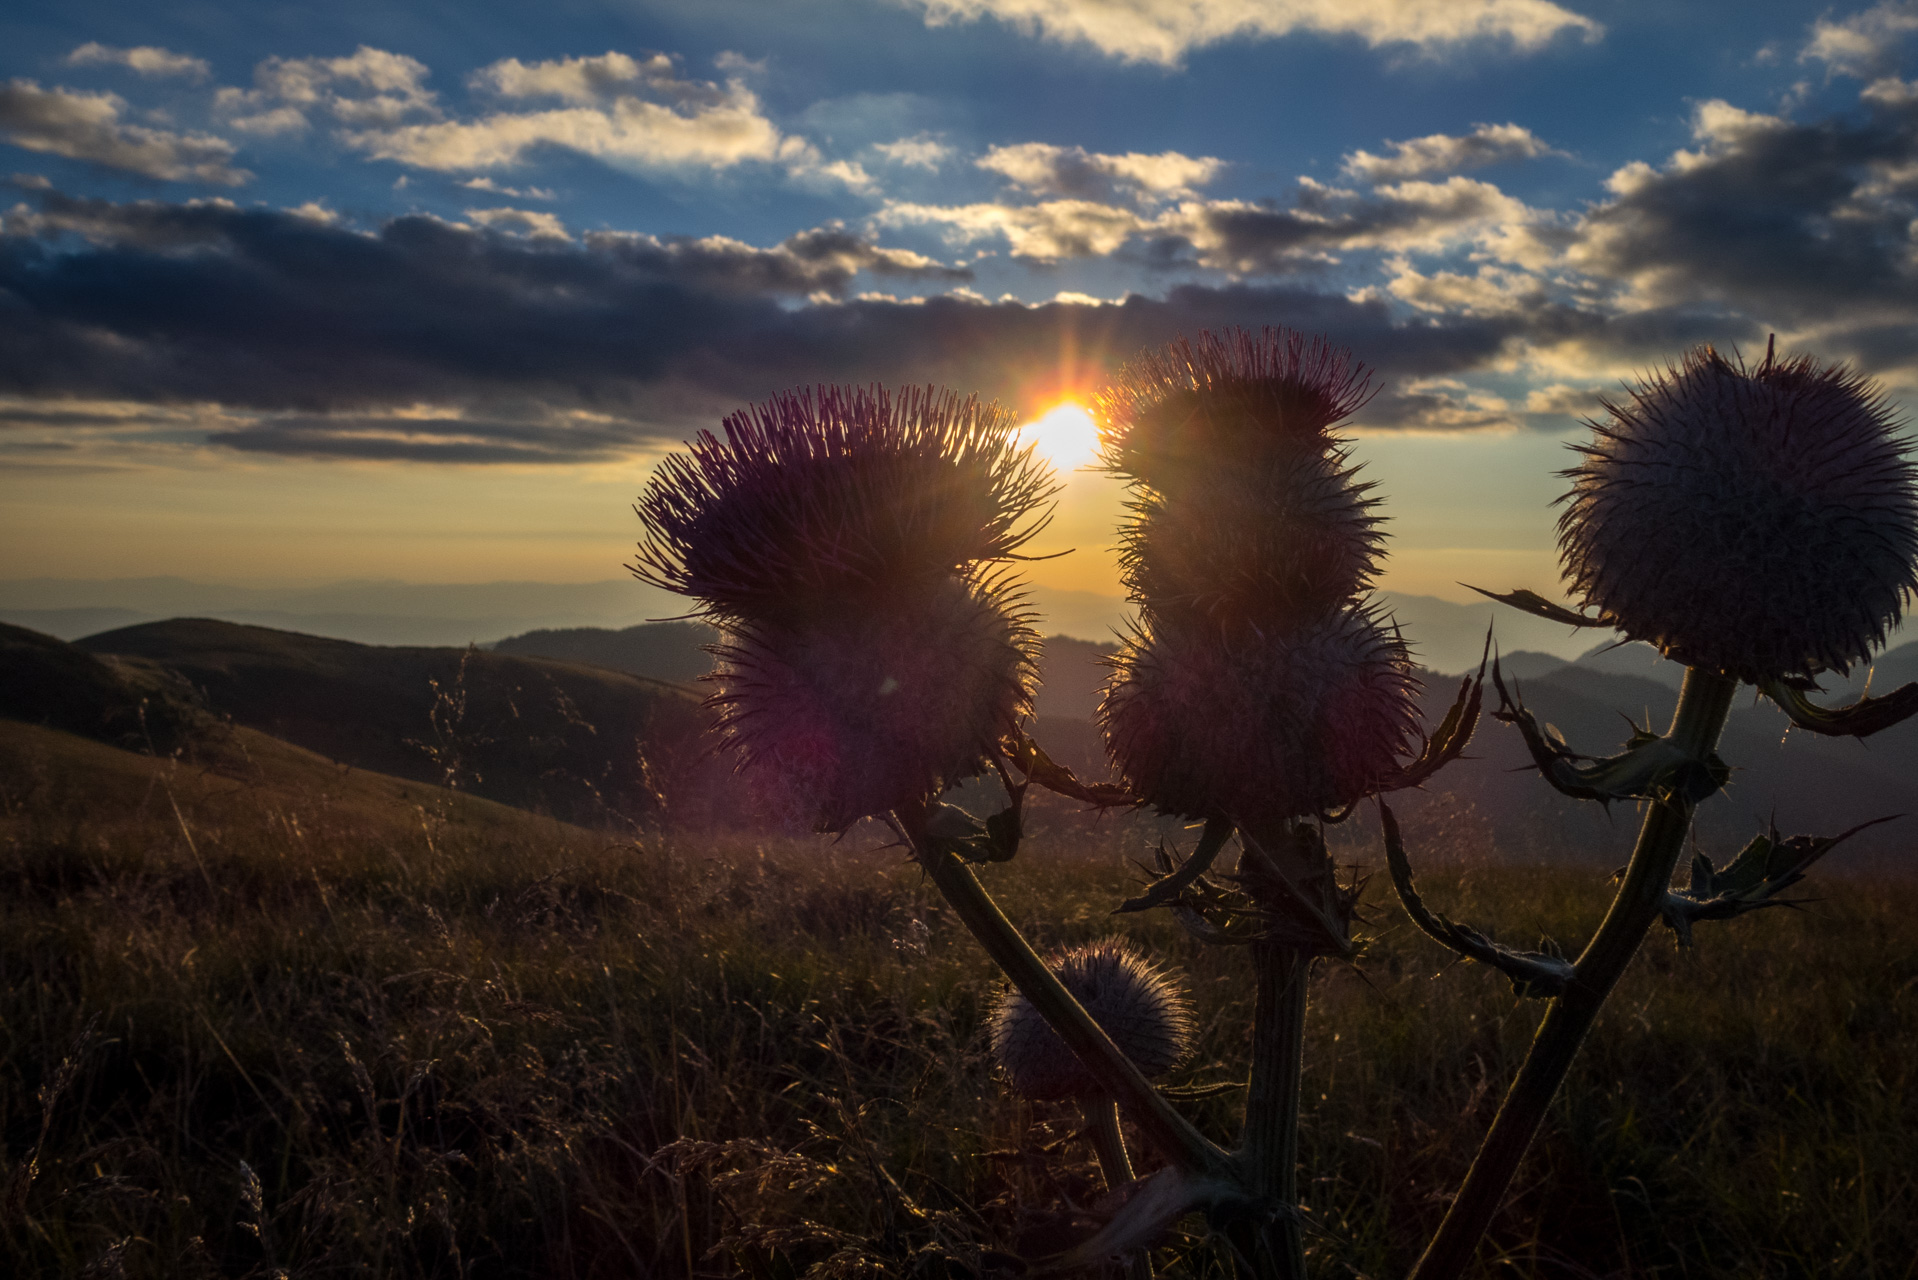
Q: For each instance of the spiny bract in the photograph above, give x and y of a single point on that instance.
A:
(1143, 1009)
(1260, 727)
(1758, 522)
(844, 544)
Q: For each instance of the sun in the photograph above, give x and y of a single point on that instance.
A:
(1065, 435)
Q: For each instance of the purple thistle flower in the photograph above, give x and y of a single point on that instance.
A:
(1142, 1007)
(1758, 522)
(843, 543)
(1260, 727)
(814, 495)
(1244, 506)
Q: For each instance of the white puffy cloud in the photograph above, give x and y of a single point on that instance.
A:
(1164, 31)
(145, 59)
(534, 223)
(1864, 43)
(370, 87)
(1045, 232)
(1048, 170)
(922, 152)
(1441, 153)
(643, 134)
(87, 126)
(592, 79)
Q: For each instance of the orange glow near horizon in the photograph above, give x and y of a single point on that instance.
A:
(1065, 435)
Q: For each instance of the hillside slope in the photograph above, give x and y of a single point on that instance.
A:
(530, 732)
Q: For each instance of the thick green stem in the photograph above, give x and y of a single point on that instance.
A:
(1703, 704)
(1169, 1133)
(1271, 1146)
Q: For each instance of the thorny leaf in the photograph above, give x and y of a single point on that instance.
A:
(1533, 973)
(1449, 741)
(953, 830)
(1650, 768)
(1029, 758)
(1861, 719)
(1166, 889)
(1762, 870)
(1538, 606)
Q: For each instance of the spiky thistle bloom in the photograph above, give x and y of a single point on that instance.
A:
(1141, 1006)
(1245, 505)
(1759, 522)
(846, 544)
(1261, 727)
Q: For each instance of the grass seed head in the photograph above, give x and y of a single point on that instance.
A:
(1143, 1008)
(843, 541)
(1259, 727)
(1761, 522)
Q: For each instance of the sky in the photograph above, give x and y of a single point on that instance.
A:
(300, 293)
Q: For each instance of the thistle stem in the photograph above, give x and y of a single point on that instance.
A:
(1271, 1142)
(1169, 1133)
(1102, 1120)
(1703, 703)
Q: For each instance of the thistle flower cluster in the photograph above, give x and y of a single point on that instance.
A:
(1139, 1004)
(1760, 522)
(1258, 683)
(848, 545)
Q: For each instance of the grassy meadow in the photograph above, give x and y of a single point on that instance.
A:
(263, 1016)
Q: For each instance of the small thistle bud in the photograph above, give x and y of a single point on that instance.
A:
(1141, 1006)
(843, 544)
(1756, 522)
(1261, 727)
(1244, 505)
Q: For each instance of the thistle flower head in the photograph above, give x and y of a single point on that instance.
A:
(1228, 398)
(855, 714)
(1245, 505)
(1760, 522)
(1142, 1007)
(842, 541)
(1262, 726)
(817, 496)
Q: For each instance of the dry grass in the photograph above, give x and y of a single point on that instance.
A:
(305, 1026)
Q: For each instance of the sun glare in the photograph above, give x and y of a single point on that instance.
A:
(1065, 435)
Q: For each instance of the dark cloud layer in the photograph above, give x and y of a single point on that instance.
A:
(1796, 225)
(543, 350)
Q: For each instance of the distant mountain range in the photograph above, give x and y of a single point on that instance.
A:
(587, 723)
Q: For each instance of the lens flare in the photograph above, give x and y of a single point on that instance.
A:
(1065, 434)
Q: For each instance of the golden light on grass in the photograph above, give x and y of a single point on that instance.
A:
(1065, 435)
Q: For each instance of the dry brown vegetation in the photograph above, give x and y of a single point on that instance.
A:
(261, 1015)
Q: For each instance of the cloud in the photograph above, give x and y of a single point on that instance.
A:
(1800, 225)
(1441, 153)
(517, 193)
(87, 126)
(529, 222)
(588, 80)
(145, 59)
(1165, 31)
(370, 87)
(1047, 170)
(1864, 44)
(698, 126)
(1044, 232)
(320, 338)
(922, 152)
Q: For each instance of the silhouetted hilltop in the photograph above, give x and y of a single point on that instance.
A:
(673, 651)
(531, 732)
(48, 682)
